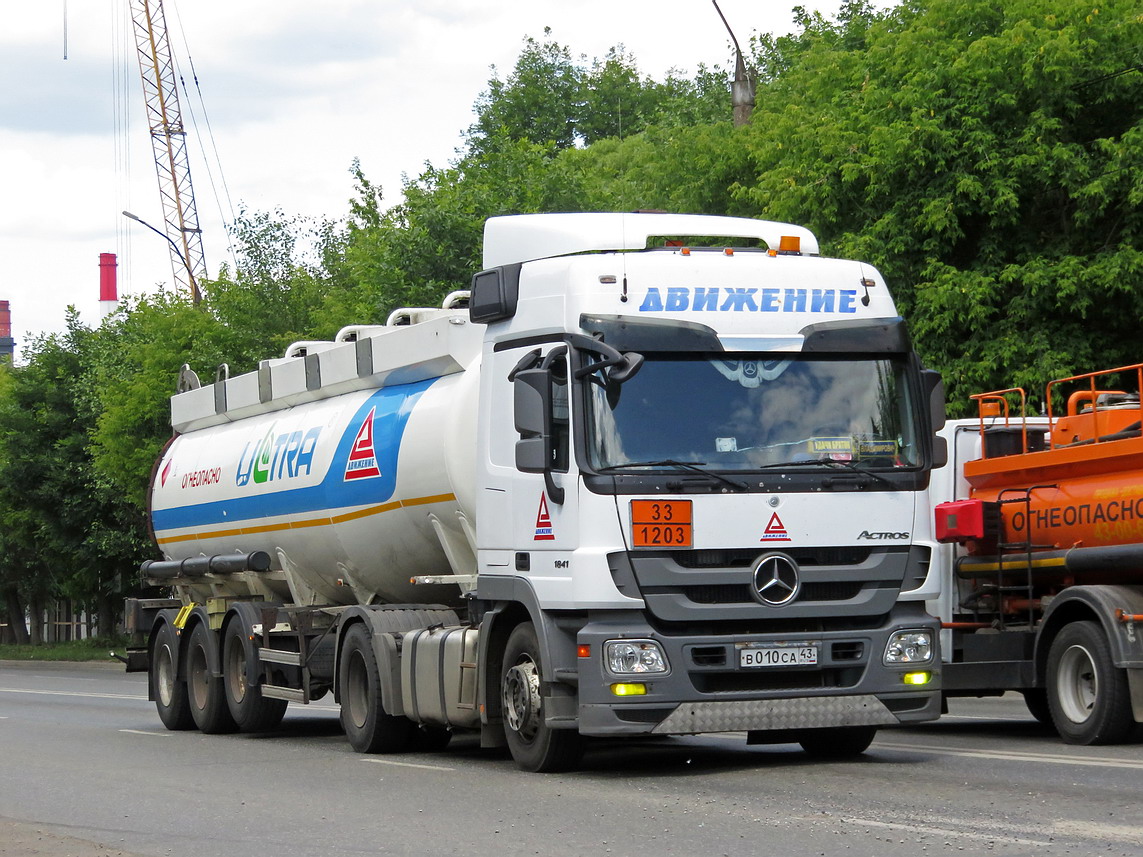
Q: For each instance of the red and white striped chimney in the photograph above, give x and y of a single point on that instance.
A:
(108, 285)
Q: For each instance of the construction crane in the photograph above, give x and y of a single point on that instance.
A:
(168, 139)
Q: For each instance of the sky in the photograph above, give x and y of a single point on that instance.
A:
(288, 94)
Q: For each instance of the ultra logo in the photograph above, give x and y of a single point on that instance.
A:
(278, 456)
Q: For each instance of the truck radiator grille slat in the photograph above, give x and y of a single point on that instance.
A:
(806, 557)
(741, 593)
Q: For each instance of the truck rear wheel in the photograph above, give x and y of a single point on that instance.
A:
(252, 712)
(169, 691)
(367, 726)
(534, 745)
(1087, 693)
(840, 743)
(205, 692)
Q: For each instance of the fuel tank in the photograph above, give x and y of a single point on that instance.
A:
(1073, 501)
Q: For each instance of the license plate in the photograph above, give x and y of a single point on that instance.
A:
(778, 656)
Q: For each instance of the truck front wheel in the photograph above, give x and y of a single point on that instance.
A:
(1087, 693)
(534, 745)
(367, 726)
(169, 691)
(252, 712)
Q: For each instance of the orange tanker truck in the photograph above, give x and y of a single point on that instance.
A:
(1040, 541)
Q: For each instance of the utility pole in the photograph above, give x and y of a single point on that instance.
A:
(742, 90)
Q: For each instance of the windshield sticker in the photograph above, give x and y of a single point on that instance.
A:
(775, 531)
(720, 299)
(544, 530)
(750, 373)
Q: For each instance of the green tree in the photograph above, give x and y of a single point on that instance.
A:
(64, 532)
(987, 157)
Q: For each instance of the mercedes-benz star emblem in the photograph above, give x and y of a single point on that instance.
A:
(776, 579)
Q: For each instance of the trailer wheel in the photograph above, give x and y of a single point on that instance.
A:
(842, 742)
(367, 726)
(534, 746)
(1088, 695)
(169, 691)
(252, 712)
(205, 693)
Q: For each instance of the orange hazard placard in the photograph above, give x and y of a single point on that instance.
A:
(661, 524)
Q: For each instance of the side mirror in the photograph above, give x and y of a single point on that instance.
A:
(533, 414)
(935, 389)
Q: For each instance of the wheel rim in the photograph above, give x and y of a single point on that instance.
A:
(357, 693)
(236, 671)
(1078, 684)
(165, 675)
(198, 676)
(521, 693)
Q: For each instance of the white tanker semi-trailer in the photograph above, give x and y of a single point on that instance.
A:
(634, 487)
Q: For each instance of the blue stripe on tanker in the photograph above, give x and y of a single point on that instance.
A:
(392, 407)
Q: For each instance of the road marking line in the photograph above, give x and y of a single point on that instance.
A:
(152, 733)
(945, 831)
(408, 765)
(1016, 756)
(72, 693)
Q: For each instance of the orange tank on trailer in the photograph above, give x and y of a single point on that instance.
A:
(1047, 499)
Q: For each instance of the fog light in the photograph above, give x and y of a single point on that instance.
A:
(917, 678)
(909, 647)
(629, 689)
(625, 657)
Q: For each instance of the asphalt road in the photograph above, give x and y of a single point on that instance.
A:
(86, 770)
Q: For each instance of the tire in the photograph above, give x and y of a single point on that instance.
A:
(534, 746)
(1087, 694)
(169, 691)
(367, 726)
(843, 742)
(205, 693)
(1036, 698)
(250, 710)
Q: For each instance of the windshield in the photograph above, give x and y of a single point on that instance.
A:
(755, 413)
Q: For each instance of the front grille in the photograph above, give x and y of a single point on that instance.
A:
(768, 624)
(805, 557)
(775, 680)
(716, 585)
(740, 593)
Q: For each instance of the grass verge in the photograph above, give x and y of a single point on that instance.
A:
(77, 650)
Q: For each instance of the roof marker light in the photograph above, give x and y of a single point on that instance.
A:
(790, 245)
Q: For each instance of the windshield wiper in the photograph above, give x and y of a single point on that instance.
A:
(692, 466)
(829, 463)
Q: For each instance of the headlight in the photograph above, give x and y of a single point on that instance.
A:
(909, 647)
(629, 657)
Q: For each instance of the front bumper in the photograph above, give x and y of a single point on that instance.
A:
(707, 691)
